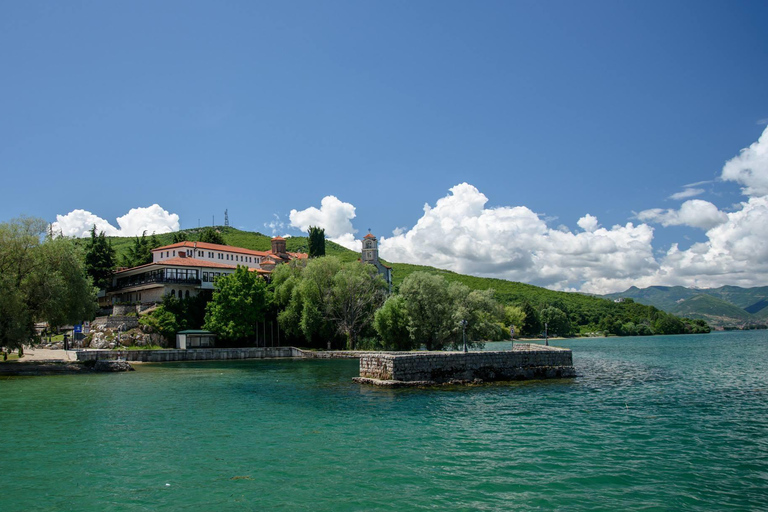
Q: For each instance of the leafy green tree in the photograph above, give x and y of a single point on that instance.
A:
(429, 308)
(177, 314)
(532, 324)
(556, 321)
(40, 280)
(100, 259)
(514, 315)
(481, 312)
(316, 242)
(211, 236)
(239, 303)
(391, 324)
(178, 237)
(357, 292)
(140, 252)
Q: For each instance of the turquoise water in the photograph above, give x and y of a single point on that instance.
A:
(660, 423)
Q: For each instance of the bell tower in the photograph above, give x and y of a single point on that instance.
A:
(370, 249)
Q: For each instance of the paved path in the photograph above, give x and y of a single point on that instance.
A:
(47, 354)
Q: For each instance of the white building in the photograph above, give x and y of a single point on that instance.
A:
(184, 269)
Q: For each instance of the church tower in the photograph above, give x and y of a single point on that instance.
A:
(370, 249)
(371, 255)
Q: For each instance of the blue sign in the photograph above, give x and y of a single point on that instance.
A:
(79, 328)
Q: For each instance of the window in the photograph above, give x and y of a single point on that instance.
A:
(186, 294)
(174, 253)
(173, 293)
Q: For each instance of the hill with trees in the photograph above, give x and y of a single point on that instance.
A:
(725, 307)
(581, 314)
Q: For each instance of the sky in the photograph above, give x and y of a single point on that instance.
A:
(584, 146)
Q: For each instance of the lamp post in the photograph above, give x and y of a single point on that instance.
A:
(546, 335)
(464, 333)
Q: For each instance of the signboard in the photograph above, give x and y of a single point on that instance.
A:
(78, 329)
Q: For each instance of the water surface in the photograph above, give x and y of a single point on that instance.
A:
(657, 423)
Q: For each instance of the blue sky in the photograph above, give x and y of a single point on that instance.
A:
(564, 108)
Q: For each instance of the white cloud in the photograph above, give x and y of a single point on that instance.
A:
(750, 168)
(587, 223)
(459, 233)
(686, 193)
(152, 219)
(275, 225)
(334, 216)
(694, 213)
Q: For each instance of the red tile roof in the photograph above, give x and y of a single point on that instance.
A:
(211, 247)
(369, 235)
(278, 238)
(183, 262)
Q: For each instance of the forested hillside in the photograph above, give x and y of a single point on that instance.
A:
(727, 306)
(587, 314)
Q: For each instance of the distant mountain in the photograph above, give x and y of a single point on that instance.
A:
(727, 306)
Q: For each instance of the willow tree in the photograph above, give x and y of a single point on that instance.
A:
(42, 279)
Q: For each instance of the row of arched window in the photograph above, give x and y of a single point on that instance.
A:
(173, 293)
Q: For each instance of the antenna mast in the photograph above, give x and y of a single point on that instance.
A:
(226, 218)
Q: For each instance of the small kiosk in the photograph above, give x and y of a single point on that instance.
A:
(195, 339)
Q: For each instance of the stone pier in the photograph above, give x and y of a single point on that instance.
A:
(525, 361)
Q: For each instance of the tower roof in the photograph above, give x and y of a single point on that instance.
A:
(369, 235)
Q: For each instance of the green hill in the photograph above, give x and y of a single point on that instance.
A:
(727, 306)
(587, 313)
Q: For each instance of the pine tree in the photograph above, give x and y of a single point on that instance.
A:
(316, 242)
(99, 259)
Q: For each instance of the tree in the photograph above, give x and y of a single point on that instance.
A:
(100, 259)
(239, 302)
(391, 324)
(357, 291)
(532, 325)
(514, 315)
(140, 253)
(557, 321)
(40, 280)
(316, 242)
(481, 312)
(177, 314)
(178, 237)
(428, 304)
(211, 236)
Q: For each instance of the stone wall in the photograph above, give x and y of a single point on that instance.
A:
(523, 362)
(201, 354)
(116, 321)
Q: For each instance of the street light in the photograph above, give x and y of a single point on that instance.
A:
(464, 333)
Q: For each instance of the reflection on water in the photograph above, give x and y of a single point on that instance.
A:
(659, 423)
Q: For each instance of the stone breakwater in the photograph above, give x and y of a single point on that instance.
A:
(199, 354)
(525, 361)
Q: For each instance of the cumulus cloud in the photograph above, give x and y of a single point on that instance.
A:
(334, 216)
(686, 193)
(750, 168)
(152, 219)
(512, 242)
(695, 213)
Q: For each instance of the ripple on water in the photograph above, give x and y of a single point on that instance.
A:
(650, 423)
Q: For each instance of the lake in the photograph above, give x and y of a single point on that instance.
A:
(655, 423)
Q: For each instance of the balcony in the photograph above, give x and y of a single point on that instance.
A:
(143, 279)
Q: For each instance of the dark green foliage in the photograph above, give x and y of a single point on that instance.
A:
(391, 323)
(176, 314)
(99, 259)
(532, 324)
(239, 303)
(211, 236)
(556, 322)
(316, 242)
(179, 236)
(140, 252)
